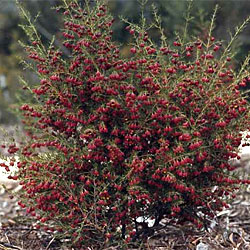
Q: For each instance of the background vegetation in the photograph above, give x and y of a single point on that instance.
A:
(230, 14)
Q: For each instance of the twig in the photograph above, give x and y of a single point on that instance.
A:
(7, 246)
(7, 238)
(45, 33)
(50, 243)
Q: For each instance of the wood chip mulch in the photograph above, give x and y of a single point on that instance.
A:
(230, 230)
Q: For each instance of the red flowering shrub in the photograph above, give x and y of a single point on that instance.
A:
(113, 142)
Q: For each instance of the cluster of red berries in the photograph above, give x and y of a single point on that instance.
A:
(112, 139)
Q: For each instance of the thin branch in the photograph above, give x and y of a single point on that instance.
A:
(46, 34)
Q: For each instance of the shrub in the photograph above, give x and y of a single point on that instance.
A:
(112, 141)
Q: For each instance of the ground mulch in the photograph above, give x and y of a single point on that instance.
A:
(230, 230)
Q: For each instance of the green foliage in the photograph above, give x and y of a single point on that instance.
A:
(11, 51)
(114, 141)
(171, 12)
